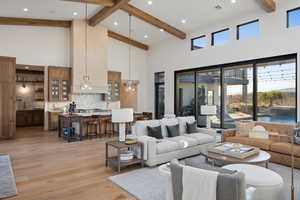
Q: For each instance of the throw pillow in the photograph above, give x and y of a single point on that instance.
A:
(173, 131)
(297, 137)
(191, 127)
(155, 132)
(259, 132)
(243, 128)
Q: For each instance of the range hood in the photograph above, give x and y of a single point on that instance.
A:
(97, 51)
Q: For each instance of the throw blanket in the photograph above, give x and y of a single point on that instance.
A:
(199, 184)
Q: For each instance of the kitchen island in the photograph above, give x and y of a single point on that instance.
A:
(71, 126)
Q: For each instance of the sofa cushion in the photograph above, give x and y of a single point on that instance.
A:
(191, 127)
(173, 131)
(141, 126)
(167, 122)
(155, 132)
(285, 148)
(184, 141)
(182, 123)
(201, 137)
(165, 146)
(260, 143)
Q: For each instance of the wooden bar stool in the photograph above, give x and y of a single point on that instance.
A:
(111, 128)
(92, 127)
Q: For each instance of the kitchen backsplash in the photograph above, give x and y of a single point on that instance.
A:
(85, 101)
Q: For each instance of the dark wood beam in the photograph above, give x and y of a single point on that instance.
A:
(106, 12)
(127, 40)
(34, 22)
(153, 20)
(99, 2)
(267, 5)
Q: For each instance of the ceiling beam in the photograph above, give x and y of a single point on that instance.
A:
(153, 20)
(99, 2)
(127, 40)
(267, 5)
(106, 12)
(34, 22)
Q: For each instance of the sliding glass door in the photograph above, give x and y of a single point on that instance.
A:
(185, 94)
(208, 90)
(238, 94)
(276, 91)
(262, 90)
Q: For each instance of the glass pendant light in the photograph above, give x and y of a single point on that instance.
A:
(86, 78)
(130, 86)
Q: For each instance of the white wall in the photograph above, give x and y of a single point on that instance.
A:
(118, 60)
(174, 54)
(36, 45)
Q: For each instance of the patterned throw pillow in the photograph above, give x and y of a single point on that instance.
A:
(243, 128)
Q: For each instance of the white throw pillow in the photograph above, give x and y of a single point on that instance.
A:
(243, 128)
(259, 132)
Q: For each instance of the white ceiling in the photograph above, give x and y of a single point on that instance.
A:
(198, 13)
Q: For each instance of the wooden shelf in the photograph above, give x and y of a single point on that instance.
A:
(30, 81)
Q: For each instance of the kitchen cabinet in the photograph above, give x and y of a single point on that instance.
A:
(7, 97)
(59, 81)
(30, 118)
(114, 86)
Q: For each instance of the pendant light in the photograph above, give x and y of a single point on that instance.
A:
(86, 78)
(130, 87)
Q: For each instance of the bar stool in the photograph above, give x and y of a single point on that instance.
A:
(110, 128)
(92, 127)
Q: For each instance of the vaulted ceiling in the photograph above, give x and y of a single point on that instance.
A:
(196, 13)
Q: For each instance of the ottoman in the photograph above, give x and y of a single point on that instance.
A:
(268, 184)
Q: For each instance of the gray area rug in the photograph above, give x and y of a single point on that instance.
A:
(148, 184)
(7, 179)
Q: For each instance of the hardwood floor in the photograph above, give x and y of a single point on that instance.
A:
(47, 168)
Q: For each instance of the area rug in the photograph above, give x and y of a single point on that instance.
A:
(7, 179)
(148, 184)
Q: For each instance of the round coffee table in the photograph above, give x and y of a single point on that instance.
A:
(262, 158)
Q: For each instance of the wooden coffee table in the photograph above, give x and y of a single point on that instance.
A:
(262, 158)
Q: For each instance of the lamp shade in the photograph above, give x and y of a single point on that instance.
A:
(208, 110)
(122, 115)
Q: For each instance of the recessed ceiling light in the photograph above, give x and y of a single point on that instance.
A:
(149, 2)
(75, 13)
(145, 36)
(25, 9)
(116, 23)
(183, 21)
(161, 30)
(233, 1)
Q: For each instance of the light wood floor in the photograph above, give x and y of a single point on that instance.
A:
(47, 168)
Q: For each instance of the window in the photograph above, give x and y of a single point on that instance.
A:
(159, 95)
(248, 29)
(293, 17)
(220, 37)
(260, 90)
(199, 42)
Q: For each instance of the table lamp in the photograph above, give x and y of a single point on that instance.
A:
(208, 110)
(122, 116)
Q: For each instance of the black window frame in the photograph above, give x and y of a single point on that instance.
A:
(212, 35)
(226, 65)
(192, 40)
(288, 18)
(238, 27)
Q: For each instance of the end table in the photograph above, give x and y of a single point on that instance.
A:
(116, 162)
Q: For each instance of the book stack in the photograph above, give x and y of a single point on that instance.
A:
(126, 155)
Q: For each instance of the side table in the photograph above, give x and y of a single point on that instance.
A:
(115, 162)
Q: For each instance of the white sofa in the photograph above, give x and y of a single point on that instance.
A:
(164, 150)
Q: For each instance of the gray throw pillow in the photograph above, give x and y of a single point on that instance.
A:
(191, 127)
(173, 131)
(297, 137)
(155, 132)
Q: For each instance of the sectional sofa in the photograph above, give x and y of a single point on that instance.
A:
(158, 151)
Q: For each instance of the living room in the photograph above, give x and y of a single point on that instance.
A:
(150, 100)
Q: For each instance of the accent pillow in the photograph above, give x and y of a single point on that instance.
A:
(191, 127)
(259, 132)
(243, 128)
(297, 137)
(155, 132)
(173, 131)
